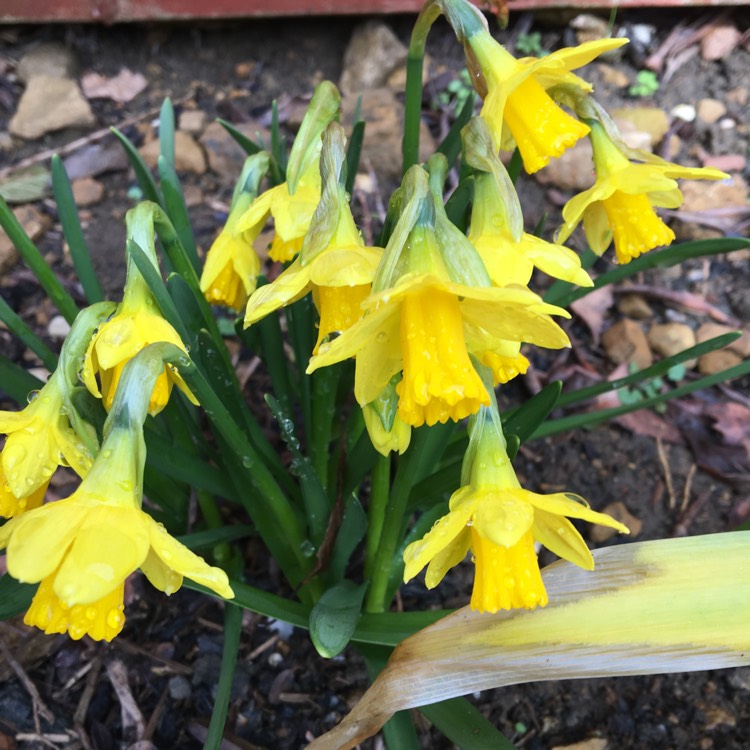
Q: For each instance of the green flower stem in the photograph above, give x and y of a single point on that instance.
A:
(36, 263)
(324, 387)
(413, 103)
(427, 447)
(381, 482)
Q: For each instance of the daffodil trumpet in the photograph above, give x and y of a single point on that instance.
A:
(81, 549)
(672, 605)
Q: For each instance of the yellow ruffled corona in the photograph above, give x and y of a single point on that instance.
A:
(39, 440)
(621, 203)
(136, 324)
(427, 327)
(230, 273)
(518, 108)
(499, 521)
(82, 549)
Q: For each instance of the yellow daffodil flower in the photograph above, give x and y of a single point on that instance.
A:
(293, 203)
(511, 261)
(291, 213)
(82, 549)
(517, 106)
(499, 521)
(230, 273)
(334, 263)
(428, 326)
(621, 203)
(39, 440)
(136, 324)
(386, 440)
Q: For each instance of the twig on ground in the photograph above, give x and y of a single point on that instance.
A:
(132, 718)
(153, 720)
(88, 690)
(688, 488)
(38, 705)
(664, 460)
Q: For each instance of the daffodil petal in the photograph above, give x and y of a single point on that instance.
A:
(596, 227)
(178, 557)
(503, 519)
(559, 536)
(445, 532)
(567, 504)
(289, 286)
(111, 543)
(448, 558)
(40, 538)
(160, 574)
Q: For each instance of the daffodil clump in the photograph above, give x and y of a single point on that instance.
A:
(431, 318)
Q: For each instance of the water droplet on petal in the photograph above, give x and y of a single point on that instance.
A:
(114, 618)
(32, 395)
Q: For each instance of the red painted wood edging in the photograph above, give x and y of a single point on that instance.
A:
(112, 11)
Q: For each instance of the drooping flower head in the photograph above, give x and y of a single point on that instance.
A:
(49, 431)
(230, 273)
(517, 107)
(621, 203)
(431, 307)
(334, 262)
(292, 203)
(81, 549)
(136, 324)
(496, 230)
(492, 516)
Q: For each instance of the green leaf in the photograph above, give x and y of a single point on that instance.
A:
(15, 597)
(314, 496)
(17, 382)
(464, 725)
(666, 258)
(166, 132)
(354, 152)
(593, 418)
(662, 367)
(36, 263)
(25, 186)
(71, 226)
(524, 420)
(212, 537)
(249, 146)
(176, 209)
(334, 617)
(232, 633)
(351, 533)
(142, 173)
(457, 207)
